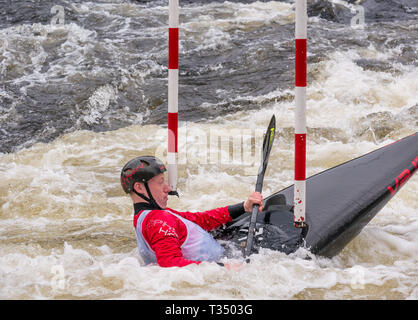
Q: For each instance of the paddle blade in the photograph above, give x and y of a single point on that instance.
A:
(268, 139)
(265, 152)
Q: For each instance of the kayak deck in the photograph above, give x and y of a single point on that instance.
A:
(340, 201)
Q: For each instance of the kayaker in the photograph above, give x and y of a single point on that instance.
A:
(166, 236)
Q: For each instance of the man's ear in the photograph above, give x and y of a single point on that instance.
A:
(140, 188)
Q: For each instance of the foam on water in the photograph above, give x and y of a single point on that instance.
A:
(65, 224)
(64, 215)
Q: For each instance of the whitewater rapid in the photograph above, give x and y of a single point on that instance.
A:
(80, 99)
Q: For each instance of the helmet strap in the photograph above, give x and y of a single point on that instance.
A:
(151, 199)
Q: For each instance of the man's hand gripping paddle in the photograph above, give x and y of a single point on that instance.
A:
(267, 144)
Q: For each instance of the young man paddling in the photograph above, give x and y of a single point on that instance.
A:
(166, 236)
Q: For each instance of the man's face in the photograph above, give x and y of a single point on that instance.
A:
(159, 189)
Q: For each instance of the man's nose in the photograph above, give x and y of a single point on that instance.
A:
(168, 188)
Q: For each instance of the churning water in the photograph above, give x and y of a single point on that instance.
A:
(83, 89)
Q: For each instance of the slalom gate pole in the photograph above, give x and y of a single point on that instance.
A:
(300, 114)
(173, 88)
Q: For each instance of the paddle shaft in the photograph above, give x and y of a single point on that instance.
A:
(267, 144)
(251, 228)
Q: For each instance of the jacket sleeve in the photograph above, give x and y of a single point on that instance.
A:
(211, 219)
(165, 234)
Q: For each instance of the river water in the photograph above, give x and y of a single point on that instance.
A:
(83, 89)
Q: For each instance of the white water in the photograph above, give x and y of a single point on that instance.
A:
(66, 227)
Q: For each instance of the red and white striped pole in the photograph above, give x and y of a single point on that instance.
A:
(301, 18)
(173, 89)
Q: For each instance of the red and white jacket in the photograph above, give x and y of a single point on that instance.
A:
(164, 232)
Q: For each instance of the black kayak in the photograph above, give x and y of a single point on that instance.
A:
(340, 201)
